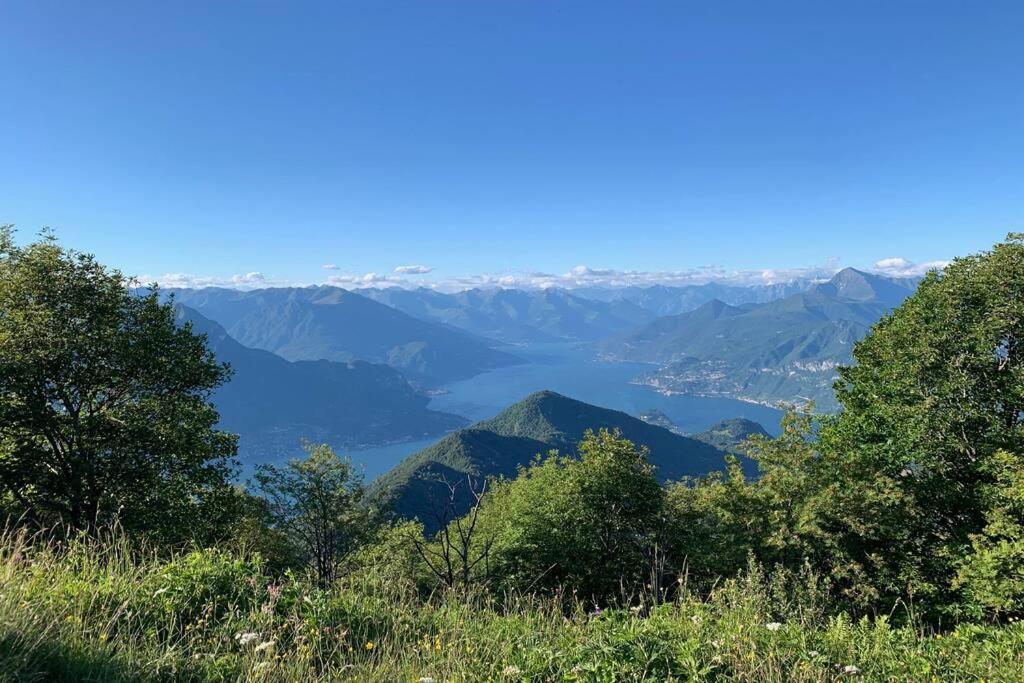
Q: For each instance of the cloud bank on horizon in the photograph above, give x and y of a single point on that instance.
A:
(412, 276)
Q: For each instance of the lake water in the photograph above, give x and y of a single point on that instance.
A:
(571, 370)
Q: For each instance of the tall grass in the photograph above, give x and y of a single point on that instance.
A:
(104, 610)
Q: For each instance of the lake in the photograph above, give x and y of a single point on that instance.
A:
(571, 370)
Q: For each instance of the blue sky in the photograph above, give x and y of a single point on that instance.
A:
(216, 139)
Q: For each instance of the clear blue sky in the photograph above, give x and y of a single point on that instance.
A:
(219, 138)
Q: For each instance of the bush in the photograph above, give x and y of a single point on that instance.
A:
(72, 612)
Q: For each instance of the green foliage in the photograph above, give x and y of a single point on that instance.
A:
(713, 524)
(729, 435)
(100, 610)
(991, 574)
(104, 400)
(932, 406)
(317, 503)
(498, 447)
(914, 491)
(590, 523)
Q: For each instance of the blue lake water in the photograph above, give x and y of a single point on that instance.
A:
(573, 371)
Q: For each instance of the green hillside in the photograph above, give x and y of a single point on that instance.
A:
(784, 350)
(539, 423)
(727, 435)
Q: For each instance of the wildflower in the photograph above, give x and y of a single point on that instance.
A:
(596, 612)
(813, 653)
(370, 645)
(246, 638)
(695, 619)
(851, 669)
(511, 670)
(774, 626)
(635, 609)
(265, 645)
(103, 637)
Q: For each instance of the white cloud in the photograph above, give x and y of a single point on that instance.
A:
(577, 277)
(892, 263)
(330, 266)
(367, 280)
(413, 270)
(253, 280)
(896, 266)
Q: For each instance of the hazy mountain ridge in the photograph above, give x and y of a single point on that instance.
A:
(330, 323)
(499, 446)
(785, 350)
(663, 300)
(517, 315)
(273, 403)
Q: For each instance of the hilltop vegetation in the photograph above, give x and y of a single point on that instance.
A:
(730, 435)
(883, 541)
(499, 447)
(102, 612)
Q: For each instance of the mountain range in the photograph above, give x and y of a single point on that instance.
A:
(517, 316)
(330, 323)
(499, 446)
(273, 403)
(783, 350)
(662, 300)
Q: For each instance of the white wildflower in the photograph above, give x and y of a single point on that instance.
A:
(695, 619)
(246, 638)
(774, 626)
(265, 645)
(512, 670)
(813, 653)
(851, 669)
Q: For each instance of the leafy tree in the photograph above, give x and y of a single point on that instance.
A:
(931, 410)
(104, 400)
(592, 523)
(991, 575)
(318, 503)
(722, 520)
(714, 524)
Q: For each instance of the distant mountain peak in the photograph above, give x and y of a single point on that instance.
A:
(851, 284)
(542, 421)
